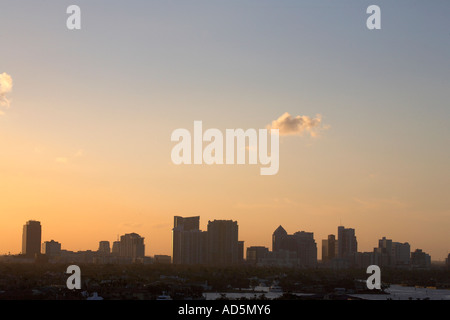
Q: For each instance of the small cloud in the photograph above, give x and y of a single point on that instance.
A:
(6, 85)
(287, 125)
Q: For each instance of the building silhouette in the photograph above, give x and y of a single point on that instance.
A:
(301, 242)
(222, 242)
(401, 253)
(162, 259)
(347, 244)
(420, 259)
(391, 254)
(329, 248)
(188, 241)
(31, 238)
(278, 237)
(256, 254)
(131, 246)
(104, 248)
(51, 248)
(240, 251)
(115, 248)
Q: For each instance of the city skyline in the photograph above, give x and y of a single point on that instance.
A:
(86, 118)
(185, 249)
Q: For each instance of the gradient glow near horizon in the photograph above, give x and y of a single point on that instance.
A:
(85, 142)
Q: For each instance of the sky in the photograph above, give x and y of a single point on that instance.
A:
(86, 118)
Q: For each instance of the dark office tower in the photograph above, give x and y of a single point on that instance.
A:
(256, 254)
(190, 223)
(385, 253)
(240, 251)
(420, 259)
(401, 253)
(104, 248)
(188, 241)
(51, 248)
(306, 248)
(222, 242)
(132, 246)
(31, 238)
(278, 237)
(347, 244)
(329, 247)
(301, 242)
(116, 248)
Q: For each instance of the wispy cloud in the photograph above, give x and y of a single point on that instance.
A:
(65, 159)
(381, 203)
(6, 85)
(299, 125)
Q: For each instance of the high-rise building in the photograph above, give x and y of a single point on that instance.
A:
(447, 261)
(420, 259)
(306, 248)
(189, 223)
(188, 241)
(240, 251)
(31, 238)
(278, 237)
(116, 248)
(301, 242)
(347, 244)
(104, 248)
(222, 242)
(255, 254)
(329, 248)
(51, 248)
(384, 255)
(131, 246)
(401, 253)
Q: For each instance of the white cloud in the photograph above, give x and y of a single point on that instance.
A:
(287, 125)
(6, 85)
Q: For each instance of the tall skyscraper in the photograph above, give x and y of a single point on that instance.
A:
(347, 244)
(104, 248)
(188, 224)
(222, 242)
(131, 246)
(401, 253)
(115, 251)
(329, 248)
(188, 241)
(384, 253)
(278, 237)
(420, 259)
(301, 242)
(31, 238)
(240, 251)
